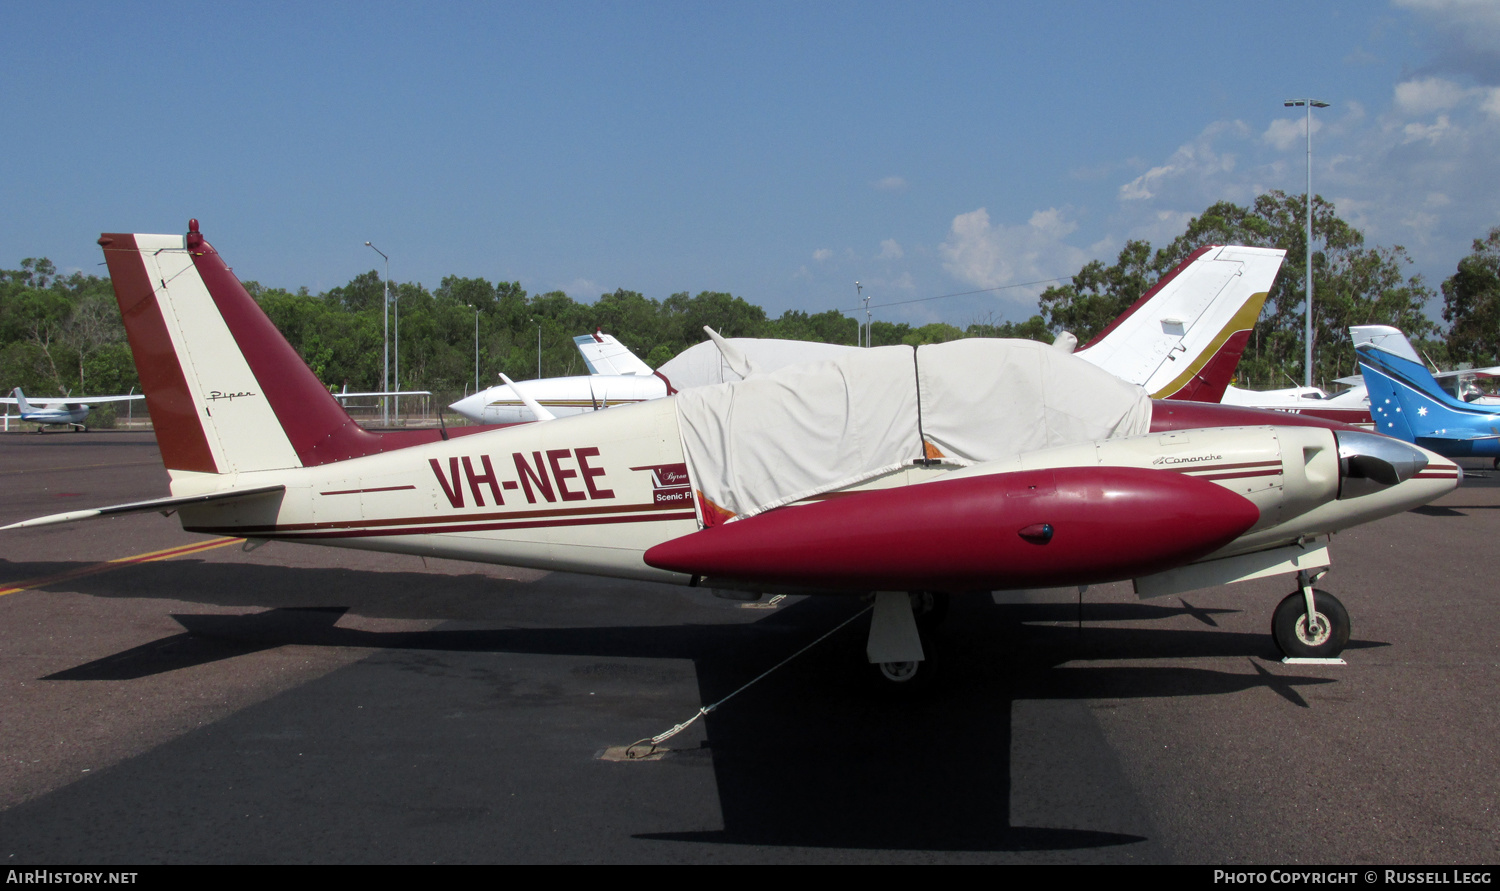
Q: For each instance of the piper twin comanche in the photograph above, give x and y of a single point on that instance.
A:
(66, 412)
(970, 466)
(1182, 340)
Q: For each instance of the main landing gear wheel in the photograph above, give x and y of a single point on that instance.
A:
(905, 678)
(1324, 638)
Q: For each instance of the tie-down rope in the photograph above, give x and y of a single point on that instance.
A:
(655, 741)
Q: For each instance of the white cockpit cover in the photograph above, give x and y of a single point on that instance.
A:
(773, 439)
(702, 364)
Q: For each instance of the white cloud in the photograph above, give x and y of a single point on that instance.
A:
(979, 253)
(1287, 132)
(891, 184)
(1190, 163)
(1430, 132)
(890, 250)
(1465, 36)
(1418, 97)
(1418, 172)
(1051, 222)
(822, 254)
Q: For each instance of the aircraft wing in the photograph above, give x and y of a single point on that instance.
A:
(1492, 371)
(49, 401)
(156, 504)
(384, 393)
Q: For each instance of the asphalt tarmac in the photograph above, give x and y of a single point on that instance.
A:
(197, 703)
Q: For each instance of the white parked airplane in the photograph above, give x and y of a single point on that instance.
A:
(969, 466)
(1181, 340)
(65, 412)
(1352, 406)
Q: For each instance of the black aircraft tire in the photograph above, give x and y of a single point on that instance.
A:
(931, 608)
(905, 679)
(1289, 626)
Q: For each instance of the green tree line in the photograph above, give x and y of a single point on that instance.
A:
(62, 334)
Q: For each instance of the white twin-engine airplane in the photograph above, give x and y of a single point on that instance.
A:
(1181, 340)
(65, 412)
(970, 466)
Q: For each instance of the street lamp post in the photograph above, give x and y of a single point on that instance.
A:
(1307, 367)
(858, 290)
(538, 349)
(476, 345)
(385, 373)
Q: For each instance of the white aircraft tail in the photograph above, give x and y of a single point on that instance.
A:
(1184, 337)
(605, 355)
(1392, 340)
(226, 392)
(21, 404)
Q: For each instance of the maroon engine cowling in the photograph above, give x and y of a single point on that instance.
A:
(1026, 529)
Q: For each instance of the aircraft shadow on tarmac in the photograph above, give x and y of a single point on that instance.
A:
(811, 756)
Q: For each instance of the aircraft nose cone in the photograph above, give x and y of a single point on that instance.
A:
(472, 407)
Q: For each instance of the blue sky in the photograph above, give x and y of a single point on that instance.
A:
(778, 151)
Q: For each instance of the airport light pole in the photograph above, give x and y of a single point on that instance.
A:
(858, 290)
(538, 348)
(1310, 104)
(385, 374)
(476, 345)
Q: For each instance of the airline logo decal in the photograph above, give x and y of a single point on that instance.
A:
(669, 484)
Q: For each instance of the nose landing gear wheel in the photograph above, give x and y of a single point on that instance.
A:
(1324, 638)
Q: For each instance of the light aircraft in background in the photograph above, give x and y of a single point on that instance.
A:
(969, 466)
(1182, 340)
(64, 412)
(1352, 406)
(1408, 403)
(344, 395)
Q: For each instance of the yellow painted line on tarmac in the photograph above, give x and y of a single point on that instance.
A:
(152, 556)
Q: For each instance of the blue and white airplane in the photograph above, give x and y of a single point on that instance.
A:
(59, 412)
(1408, 403)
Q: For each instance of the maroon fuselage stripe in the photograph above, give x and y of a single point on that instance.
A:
(362, 491)
(502, 516)
(289, 531)
(179, 431)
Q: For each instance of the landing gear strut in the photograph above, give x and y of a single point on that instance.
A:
(900, 647)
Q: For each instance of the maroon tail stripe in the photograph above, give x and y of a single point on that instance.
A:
(179, 431)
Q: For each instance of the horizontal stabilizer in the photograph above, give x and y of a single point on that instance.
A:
(156, 504)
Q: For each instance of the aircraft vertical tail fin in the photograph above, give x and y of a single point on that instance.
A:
(603, 354)
(1405, 400)
(226, 392)
(1184, 337)
(21, 404)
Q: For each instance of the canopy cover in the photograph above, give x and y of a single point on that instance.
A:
(803, 430)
